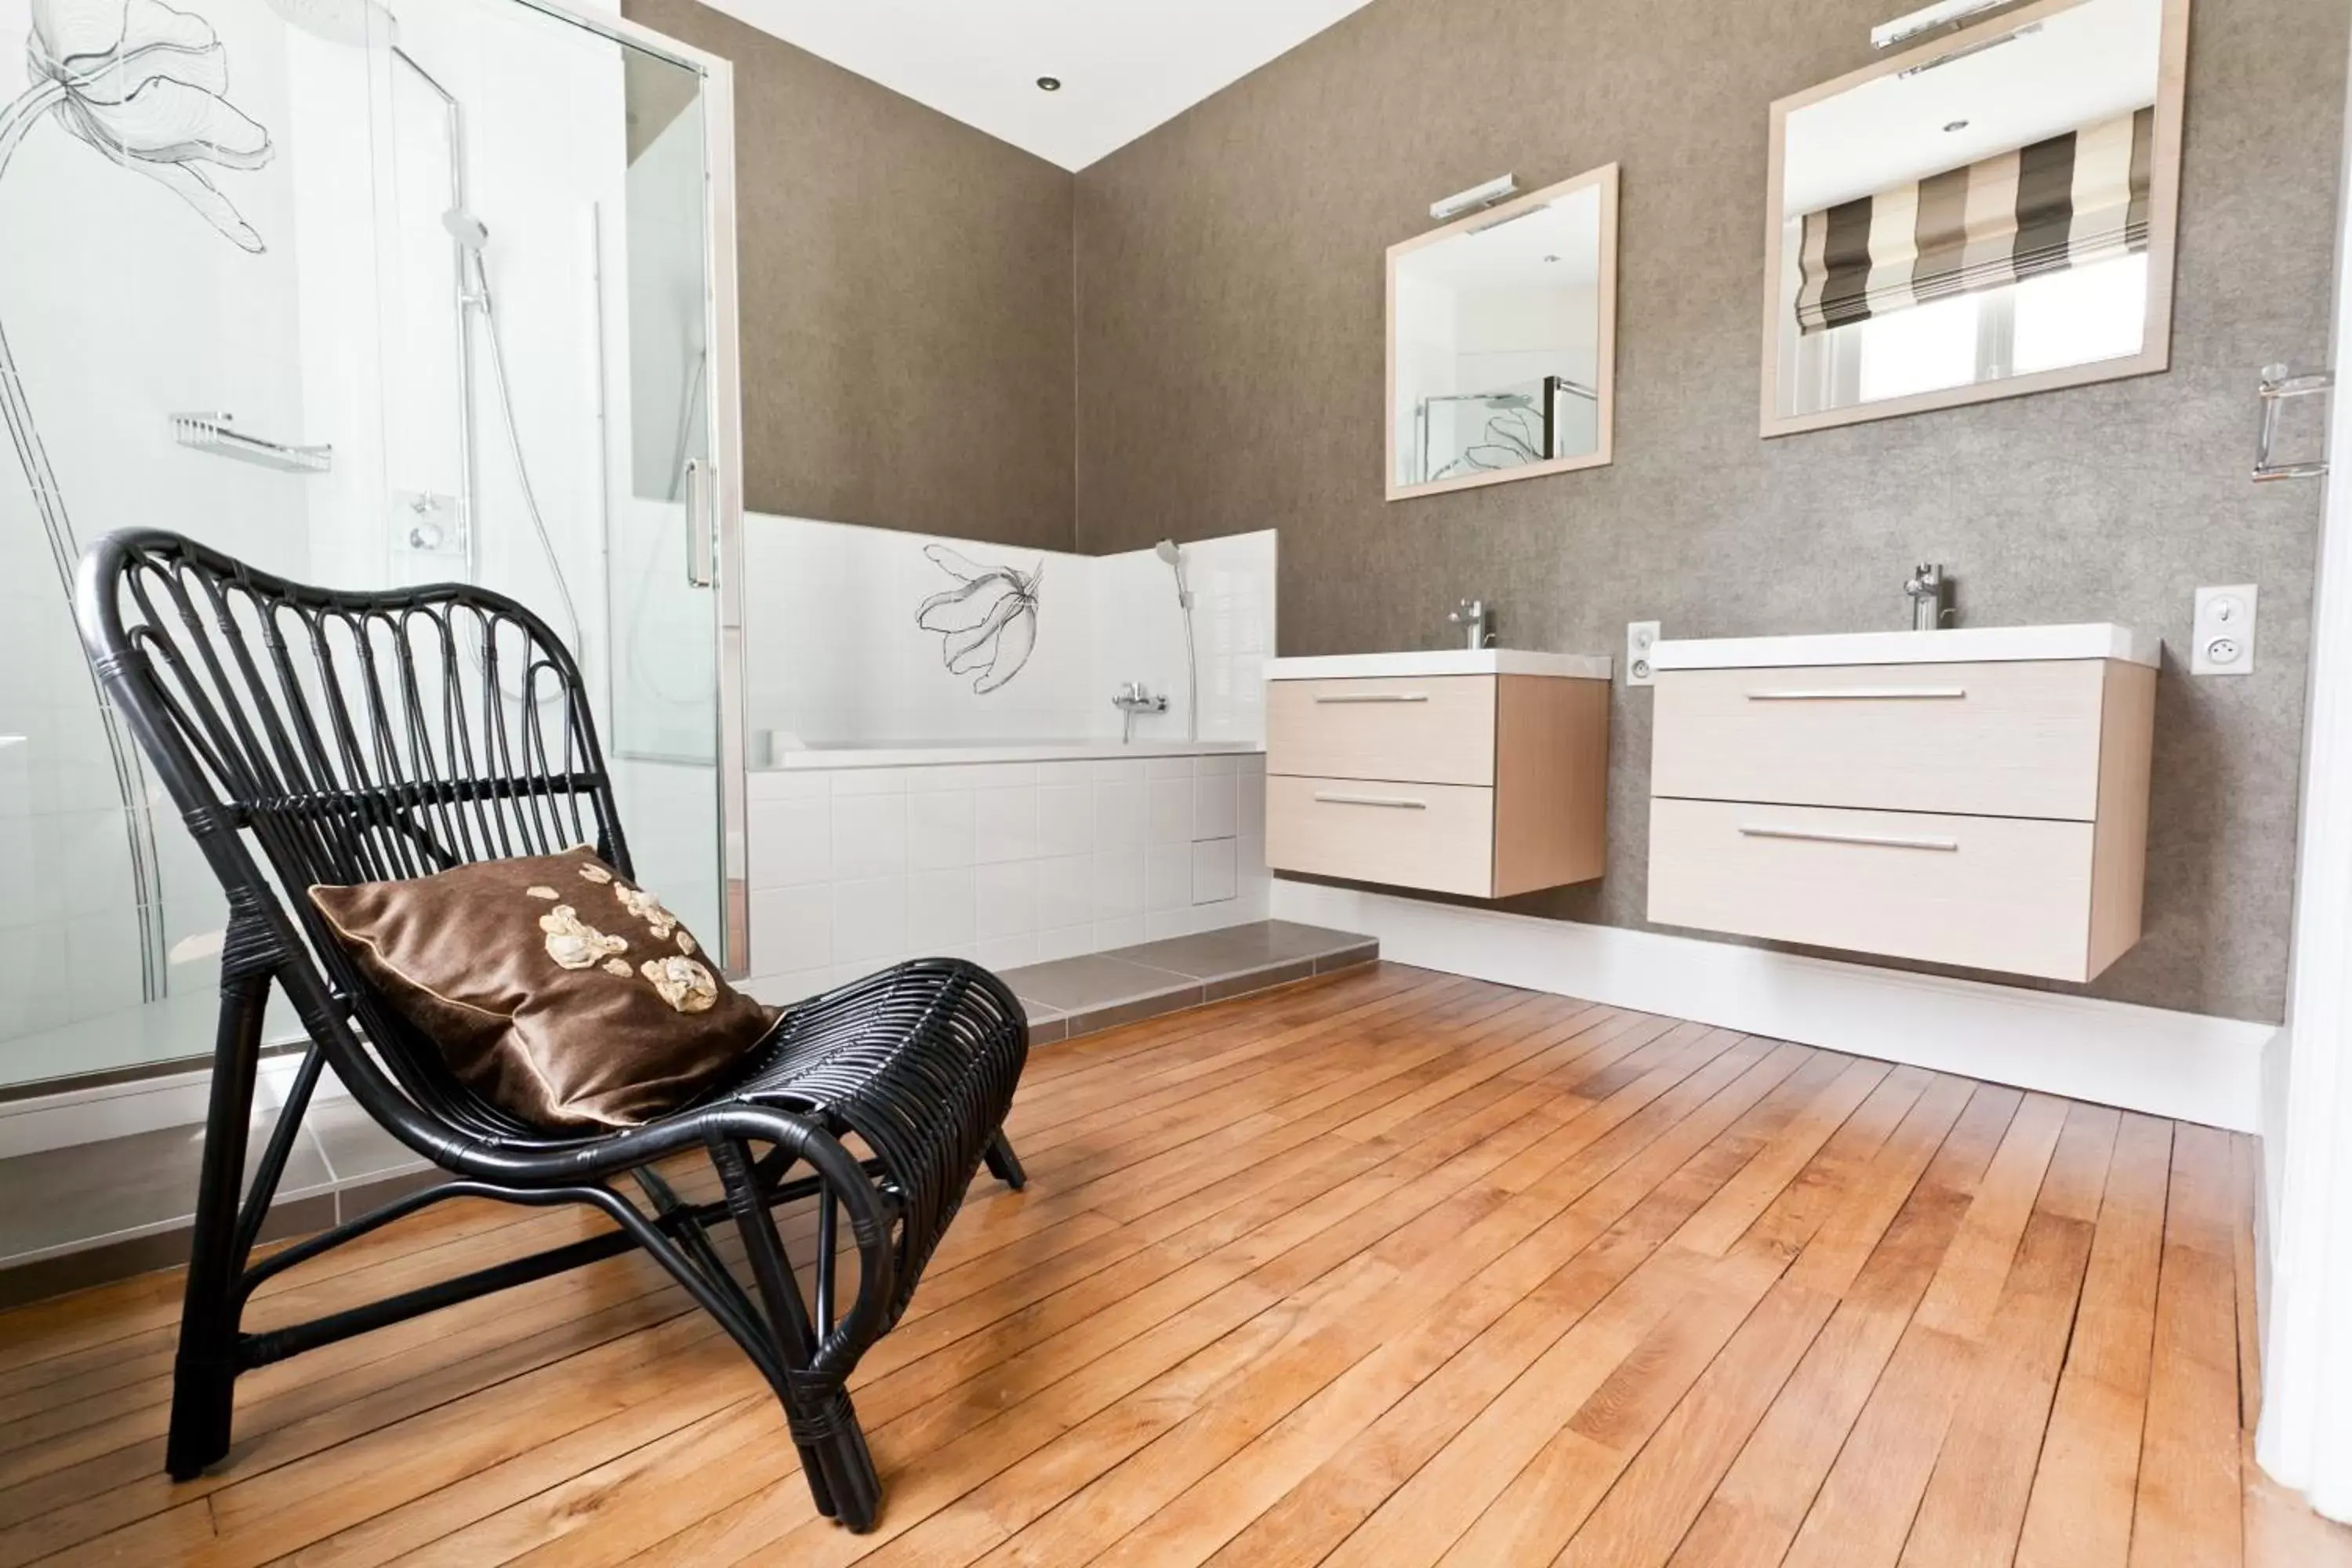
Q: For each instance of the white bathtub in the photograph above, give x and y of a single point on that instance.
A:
(1009, 852)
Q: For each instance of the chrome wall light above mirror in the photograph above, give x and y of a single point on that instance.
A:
(1502, 340)
(1985, 214)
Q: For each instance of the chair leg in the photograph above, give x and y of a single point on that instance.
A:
(842, 1479)
(1003, 1163)
(691, 1236)
(203, 1373)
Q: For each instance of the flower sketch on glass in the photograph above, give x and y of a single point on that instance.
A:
(988, 625)
(144, 86)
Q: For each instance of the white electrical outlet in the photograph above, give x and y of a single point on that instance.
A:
(2223, 640)
(1641, 637)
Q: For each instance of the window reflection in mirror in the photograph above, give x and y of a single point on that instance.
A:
(1501, 339)
(1985, 214)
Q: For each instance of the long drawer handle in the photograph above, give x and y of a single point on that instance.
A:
(1394, 802)
(1378, 696)
(1878, 840)
(1864, 694)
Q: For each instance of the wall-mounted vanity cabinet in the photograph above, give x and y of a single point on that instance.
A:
(1974, 797)
(1482, 773)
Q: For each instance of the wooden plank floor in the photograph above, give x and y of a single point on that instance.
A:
(1391, 1268)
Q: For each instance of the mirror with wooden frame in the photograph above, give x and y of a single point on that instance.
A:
(1502, 340)
(1986, 214)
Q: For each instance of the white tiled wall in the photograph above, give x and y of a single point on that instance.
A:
(834, 657)
(1140, 633)
(1007, 863)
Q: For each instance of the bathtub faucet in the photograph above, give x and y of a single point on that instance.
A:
(1131, 698)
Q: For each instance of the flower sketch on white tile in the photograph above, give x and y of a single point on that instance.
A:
(988, 625)
(145, 87)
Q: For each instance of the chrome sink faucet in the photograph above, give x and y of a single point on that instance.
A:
(1930, 593)
(1477, 620)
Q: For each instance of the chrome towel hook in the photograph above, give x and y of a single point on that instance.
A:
(2278, 384)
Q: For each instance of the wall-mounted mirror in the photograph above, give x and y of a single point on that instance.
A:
(1986, 214)
(1502, 340)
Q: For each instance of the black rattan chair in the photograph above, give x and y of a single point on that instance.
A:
(360, 737)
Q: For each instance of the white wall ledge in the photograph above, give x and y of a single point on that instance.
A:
(934, 754)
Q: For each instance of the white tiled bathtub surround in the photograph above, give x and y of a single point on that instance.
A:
(834, 657)
(854, 866)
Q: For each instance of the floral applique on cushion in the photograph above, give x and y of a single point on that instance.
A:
(619, 968)
(575, 944)
(682, 983)
(686, 942)
(595, 874)
(646, 908)
(543, 891)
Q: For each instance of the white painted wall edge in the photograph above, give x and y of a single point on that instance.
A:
(2304, 1440)
(2180, 1065)
(41, 1122)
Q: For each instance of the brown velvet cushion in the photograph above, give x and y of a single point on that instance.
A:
(555, 988)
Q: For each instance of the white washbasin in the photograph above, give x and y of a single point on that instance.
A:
(1442, 661)
(1965, 644)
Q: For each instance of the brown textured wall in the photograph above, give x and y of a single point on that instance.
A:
(1230, 376)
(906, 301)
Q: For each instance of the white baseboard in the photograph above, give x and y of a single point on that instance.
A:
(2179, 1065)
(37, 1123)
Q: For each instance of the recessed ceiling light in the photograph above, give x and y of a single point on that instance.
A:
(1049, 84)
(1956, 125)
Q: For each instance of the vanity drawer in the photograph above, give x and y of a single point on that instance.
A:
(2004, 740)
(2001, 893)
(1437, 729)
(1439, 836)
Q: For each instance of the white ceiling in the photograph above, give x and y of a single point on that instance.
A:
(1125, 64)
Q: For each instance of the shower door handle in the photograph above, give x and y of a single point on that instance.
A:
(701, 551)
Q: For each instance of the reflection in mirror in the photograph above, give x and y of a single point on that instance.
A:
(1988, 215)
(1501, 334)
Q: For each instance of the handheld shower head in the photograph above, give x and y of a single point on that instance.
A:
(1172, 553)
(473, 237)
(467, 229)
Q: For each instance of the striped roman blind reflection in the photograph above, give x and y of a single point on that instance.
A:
(2069, 201)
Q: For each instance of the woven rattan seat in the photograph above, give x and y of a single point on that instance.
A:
(310, 735)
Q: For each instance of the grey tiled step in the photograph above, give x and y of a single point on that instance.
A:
(1103, 990)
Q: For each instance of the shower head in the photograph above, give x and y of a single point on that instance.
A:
(1169, 551)
(358, 23)
(467, 229)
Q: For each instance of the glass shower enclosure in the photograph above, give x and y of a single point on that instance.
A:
(366, 294)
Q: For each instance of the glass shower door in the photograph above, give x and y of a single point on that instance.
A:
(674, 516)
(438, 298)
